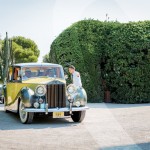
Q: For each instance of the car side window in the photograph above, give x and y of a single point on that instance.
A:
(16, 74)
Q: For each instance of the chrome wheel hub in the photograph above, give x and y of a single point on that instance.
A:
(22, 113)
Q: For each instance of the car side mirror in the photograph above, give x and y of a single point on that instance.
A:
(66, 77)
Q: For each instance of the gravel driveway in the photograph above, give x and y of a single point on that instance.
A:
(106, 127)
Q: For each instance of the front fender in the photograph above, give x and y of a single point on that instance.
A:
(27, 96)
(80, 96)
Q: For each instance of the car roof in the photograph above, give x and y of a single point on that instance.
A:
(36, 65)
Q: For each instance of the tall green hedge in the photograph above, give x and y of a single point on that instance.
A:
(110, 56)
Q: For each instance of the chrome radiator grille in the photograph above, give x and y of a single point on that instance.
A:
(56, 95)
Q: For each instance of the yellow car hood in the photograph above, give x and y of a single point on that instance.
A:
(43, 80)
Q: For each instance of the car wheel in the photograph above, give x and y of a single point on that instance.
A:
(6, 111)
(78, 116)
(25, 117)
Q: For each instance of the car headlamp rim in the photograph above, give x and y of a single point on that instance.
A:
(71, 89)
(78, 103)
(40, 90)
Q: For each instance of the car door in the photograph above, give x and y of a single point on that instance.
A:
(11, 89)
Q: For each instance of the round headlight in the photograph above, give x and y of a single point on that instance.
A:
(71, 89)
(36, 104)
(40, 90)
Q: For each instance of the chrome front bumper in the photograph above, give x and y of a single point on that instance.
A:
(66, 109)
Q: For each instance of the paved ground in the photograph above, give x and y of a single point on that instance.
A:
(106, 127)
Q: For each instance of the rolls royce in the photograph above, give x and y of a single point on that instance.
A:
(40, 88)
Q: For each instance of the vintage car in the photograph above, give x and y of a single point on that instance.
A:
(34, 89)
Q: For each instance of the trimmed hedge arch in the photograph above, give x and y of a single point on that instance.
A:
(110, 56)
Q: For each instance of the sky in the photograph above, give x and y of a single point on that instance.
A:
(43, 20)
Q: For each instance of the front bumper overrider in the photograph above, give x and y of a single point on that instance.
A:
(66, 109)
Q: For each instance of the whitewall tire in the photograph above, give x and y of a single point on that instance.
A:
(25, 117)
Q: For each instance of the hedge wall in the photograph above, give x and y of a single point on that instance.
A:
(110, 56)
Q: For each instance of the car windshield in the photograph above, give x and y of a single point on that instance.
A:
(52, 72)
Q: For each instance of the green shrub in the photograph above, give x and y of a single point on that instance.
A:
(110, 56)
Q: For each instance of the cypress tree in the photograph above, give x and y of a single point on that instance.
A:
(6, 57)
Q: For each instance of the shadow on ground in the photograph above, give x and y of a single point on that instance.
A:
(11, 121)
(140, 146)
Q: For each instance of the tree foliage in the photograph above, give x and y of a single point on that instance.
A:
(110, 56)
(46, 58)
(4, 58)
(24, 50)
(16, 50)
